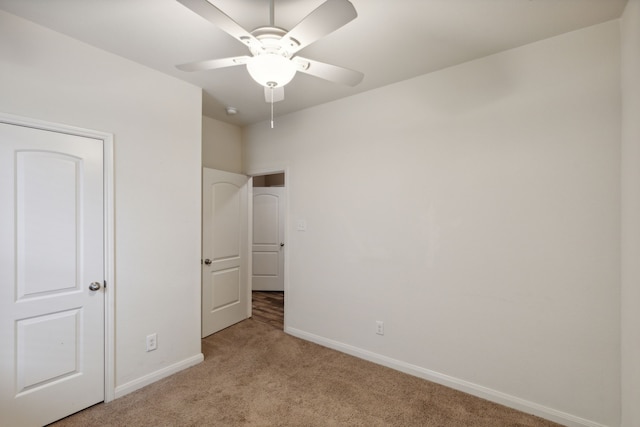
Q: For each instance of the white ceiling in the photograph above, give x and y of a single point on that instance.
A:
(389, 41)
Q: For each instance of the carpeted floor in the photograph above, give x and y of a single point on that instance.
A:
(256, 375)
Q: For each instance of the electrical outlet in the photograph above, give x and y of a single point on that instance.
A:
(379, 327)
(152, 342)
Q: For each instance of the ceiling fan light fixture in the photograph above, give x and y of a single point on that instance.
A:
(271, 69)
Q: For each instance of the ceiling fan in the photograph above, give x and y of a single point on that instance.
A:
(274, 61)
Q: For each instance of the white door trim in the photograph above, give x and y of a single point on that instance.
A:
(287, 218)
(109, 309)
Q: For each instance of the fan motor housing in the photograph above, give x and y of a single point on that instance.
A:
(272, 41)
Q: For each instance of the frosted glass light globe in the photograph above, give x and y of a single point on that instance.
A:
(271, 70)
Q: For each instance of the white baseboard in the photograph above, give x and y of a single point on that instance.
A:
(157, 375)
(451, 382)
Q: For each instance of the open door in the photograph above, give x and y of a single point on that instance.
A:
(225, 250)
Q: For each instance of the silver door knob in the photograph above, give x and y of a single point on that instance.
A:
(95, 286)
(207, 261)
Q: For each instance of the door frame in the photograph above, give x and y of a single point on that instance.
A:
(108, 212)
(287, 218)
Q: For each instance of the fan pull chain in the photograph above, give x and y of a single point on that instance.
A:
(271, 107)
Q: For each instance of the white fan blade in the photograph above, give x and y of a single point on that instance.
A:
(327, 18)
(221, 20)
(277, 93)
(212, 64)
(329, 72)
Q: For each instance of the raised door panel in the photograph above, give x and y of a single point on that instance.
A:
(265, 219)
(226, 230)
(58, 336)
(47, 182)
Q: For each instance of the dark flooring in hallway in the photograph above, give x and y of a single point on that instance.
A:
(268, 307)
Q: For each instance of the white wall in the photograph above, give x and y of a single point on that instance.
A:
(630, 26)
(156, 122)
(221, 145)
(475, 210)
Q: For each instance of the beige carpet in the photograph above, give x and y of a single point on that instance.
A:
(256, 375)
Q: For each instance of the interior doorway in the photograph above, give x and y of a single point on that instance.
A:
(268, 248)
(225, 250)
(57, 259)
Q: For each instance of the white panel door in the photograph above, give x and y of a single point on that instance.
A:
(225, 287)
(51, 250)
(268, 239)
